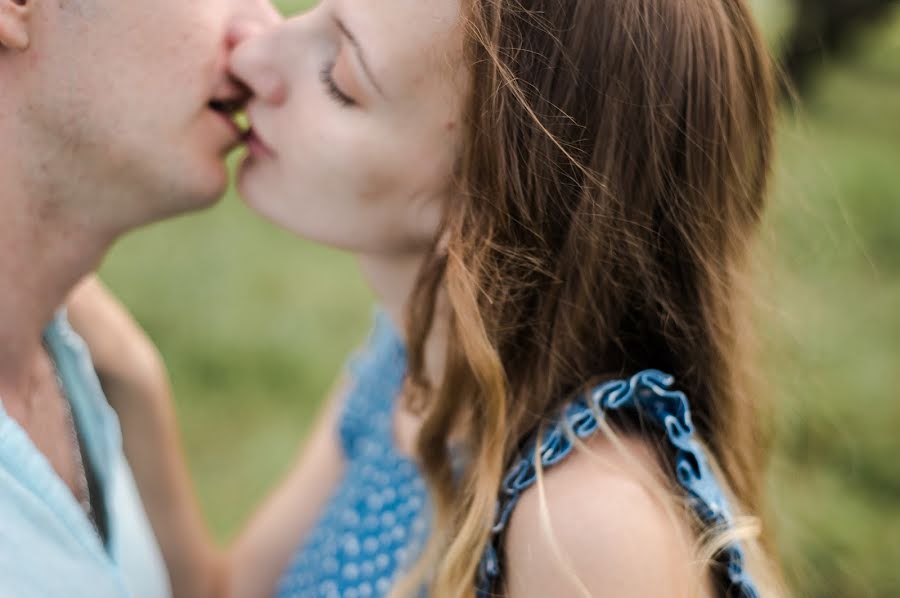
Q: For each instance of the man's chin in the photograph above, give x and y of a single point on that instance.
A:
(209, 188)
(199, 193)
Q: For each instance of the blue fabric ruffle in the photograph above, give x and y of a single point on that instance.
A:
(649, 392)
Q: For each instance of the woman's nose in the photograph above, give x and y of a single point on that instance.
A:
(253, 61)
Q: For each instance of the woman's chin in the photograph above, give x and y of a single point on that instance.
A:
(271, 203)
(265, 200)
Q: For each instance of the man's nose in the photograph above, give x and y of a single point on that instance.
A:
(240, 31)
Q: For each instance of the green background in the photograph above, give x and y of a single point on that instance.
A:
(254, 325)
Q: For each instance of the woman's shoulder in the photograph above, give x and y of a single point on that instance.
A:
(602, 523)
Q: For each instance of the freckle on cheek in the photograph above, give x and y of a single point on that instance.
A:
(450, 125)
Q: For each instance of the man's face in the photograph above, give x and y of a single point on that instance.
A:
(116, 102)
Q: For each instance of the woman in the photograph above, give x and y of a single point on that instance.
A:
(554, 202)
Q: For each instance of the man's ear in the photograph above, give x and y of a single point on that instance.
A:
(15, 31)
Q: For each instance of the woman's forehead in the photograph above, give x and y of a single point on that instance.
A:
(404, 40)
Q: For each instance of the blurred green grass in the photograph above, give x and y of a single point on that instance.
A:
(254, 325)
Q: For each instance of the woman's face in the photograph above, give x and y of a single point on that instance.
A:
(355, 121)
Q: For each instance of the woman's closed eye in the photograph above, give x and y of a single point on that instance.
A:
(327, 78)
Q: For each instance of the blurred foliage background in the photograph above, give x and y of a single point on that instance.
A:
(254, 323)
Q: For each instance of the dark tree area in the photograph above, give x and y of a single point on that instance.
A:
(826, 28)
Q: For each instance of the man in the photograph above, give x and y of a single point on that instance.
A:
(113, 114)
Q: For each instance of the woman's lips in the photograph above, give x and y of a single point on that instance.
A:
(256, 146)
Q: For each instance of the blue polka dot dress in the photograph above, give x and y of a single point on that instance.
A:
(377, 521)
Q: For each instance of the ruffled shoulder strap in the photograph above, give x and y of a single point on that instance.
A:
(651, 393)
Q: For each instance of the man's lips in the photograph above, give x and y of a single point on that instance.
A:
(228, 104)
(231, 123)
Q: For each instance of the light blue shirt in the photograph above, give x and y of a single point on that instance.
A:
(48, 546)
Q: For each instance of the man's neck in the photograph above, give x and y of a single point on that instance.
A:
(43, 254)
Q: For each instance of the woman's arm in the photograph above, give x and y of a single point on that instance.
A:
(264, 548)
(605, 527)
(137, 386)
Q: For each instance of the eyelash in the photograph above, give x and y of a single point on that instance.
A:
(333, 90)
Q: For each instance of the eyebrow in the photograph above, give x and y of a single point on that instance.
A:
(359, 52)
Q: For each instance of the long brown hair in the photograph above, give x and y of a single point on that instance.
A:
(611, 180)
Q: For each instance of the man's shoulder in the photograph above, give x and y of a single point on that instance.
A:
(47, 546)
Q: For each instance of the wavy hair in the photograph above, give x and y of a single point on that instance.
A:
(612, 177)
